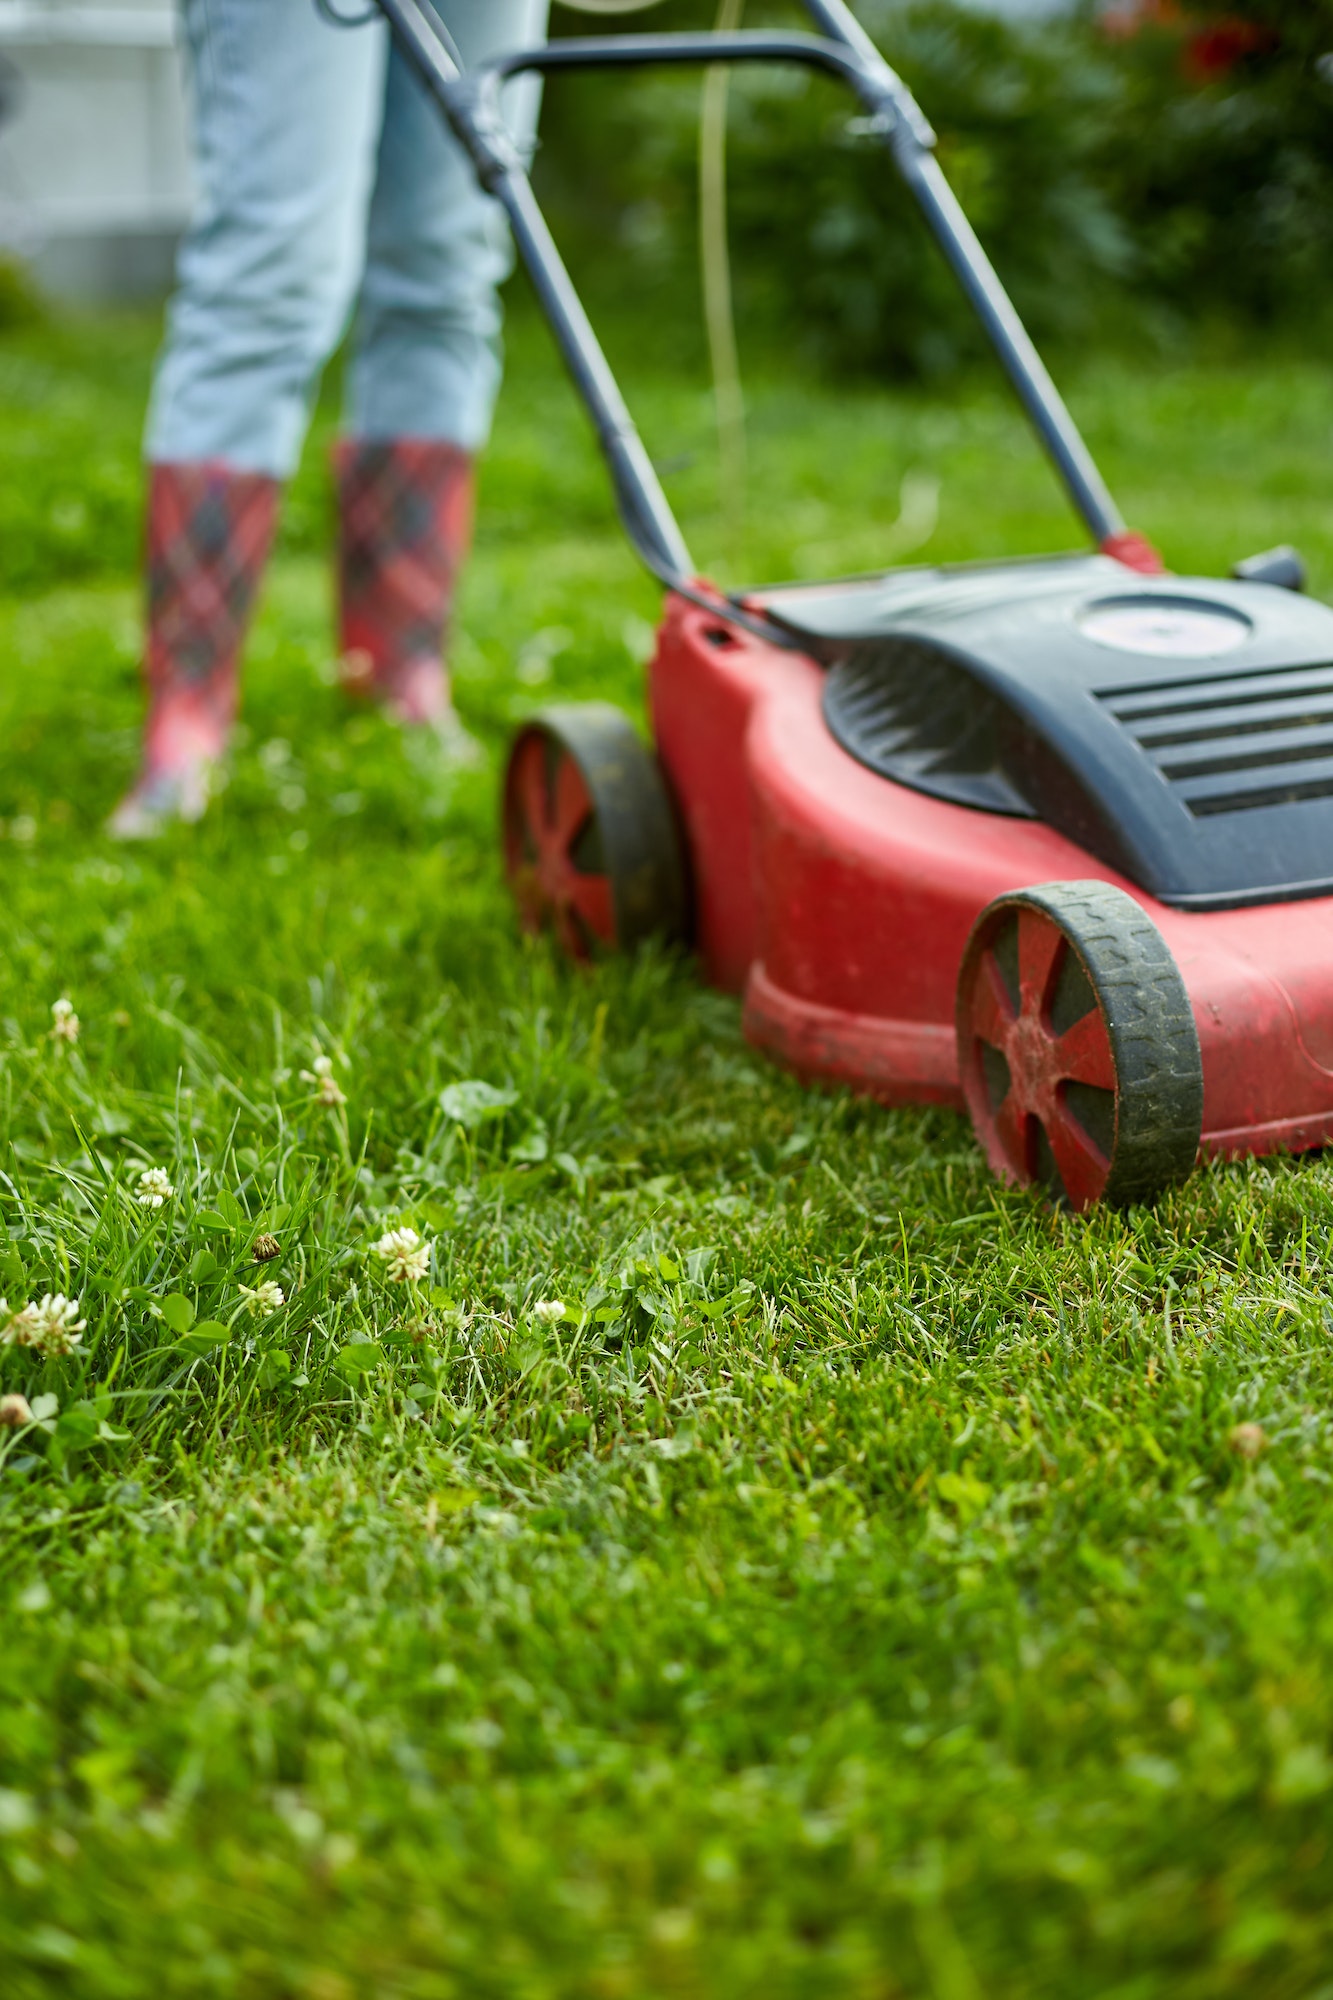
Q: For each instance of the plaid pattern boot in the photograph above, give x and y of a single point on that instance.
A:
(208, 536)
(405, 524)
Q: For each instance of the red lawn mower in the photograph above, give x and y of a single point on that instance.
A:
(1050, 839)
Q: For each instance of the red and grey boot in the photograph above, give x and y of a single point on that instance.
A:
(405, 526)
(208, 536)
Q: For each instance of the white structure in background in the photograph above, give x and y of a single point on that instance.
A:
(94, 171)
(94, 168)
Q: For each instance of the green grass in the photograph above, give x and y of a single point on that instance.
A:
(859, 1591)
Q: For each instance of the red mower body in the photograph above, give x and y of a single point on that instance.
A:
(839, 904)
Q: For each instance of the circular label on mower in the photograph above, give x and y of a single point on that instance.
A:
(1170, 628)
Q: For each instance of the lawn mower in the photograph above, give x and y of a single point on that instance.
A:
(1049, 839)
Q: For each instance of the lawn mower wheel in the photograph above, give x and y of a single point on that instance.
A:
(592, 851)
(1077, 1048)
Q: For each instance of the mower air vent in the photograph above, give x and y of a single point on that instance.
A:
(910, 711)
(1234, 743)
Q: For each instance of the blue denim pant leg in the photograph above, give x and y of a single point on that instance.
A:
(303, 190)
(426, 352)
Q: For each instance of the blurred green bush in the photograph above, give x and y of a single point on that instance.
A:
(20, 304)
(1130, 171)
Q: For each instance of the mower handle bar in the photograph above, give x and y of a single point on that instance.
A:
(470, 101)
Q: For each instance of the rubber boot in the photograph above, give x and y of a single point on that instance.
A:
(209, 531)
(405, 525)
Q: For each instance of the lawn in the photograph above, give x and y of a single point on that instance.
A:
(864, 1588)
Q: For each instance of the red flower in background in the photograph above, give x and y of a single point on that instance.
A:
(1208, 53)
(1214, 52)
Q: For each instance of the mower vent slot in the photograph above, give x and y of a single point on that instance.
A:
(1233, 743)
(911, 712)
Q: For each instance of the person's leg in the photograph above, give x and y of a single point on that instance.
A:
(286, 112)
(425, 374)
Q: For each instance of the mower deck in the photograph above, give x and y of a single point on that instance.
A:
(839, 903)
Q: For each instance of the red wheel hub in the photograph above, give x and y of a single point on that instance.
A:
(1026, 1096)
(548, 814)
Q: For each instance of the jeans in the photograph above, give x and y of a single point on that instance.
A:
(327, 178)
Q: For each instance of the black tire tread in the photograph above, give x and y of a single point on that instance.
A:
(1154, 1040)
(640, 837)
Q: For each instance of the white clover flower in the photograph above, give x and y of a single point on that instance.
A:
(59, 1327)
(327, 1089)
(154, 1188)
(407, 1257)
(52, 1325)
(550, 1310)
(15, 1411)
(66, 1021)
(263, 1300)
(20, 1327)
